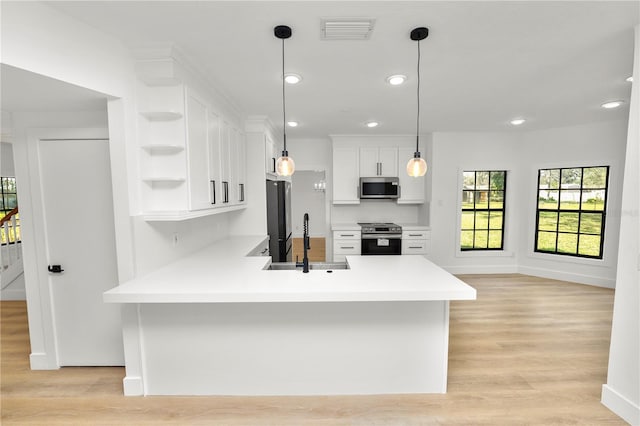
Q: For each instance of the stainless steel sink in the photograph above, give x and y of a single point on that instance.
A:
(323, 266)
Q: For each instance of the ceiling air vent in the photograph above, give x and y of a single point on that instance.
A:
(347, 28)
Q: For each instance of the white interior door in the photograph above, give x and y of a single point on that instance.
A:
(78, 211)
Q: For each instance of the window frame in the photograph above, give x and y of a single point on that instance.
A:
(579, 211)
(488, 209)
(5, 210)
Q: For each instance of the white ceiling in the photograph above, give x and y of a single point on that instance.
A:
(483, 63)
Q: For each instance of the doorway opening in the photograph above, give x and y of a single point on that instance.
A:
(308, 196)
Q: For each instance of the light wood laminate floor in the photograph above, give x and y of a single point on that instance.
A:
(315, 254)
(529, 351)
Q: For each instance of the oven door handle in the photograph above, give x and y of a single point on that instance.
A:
(385, 236)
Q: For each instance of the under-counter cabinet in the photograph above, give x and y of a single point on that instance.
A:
(346, 243)
(378, 161)
(416, 241)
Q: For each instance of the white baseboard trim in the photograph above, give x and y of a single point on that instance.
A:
(13, 294)
(133, 386)
(620, 405)
(567, 276)
(40, 361)
(481, 269)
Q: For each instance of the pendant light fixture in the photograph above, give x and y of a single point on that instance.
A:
(285, 165)
(416, 166)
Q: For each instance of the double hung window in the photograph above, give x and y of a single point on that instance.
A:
(483, 209)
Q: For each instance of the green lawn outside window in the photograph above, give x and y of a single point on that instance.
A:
(483, 209)
(571, 211)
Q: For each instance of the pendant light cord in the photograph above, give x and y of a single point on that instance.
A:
(418, 116)
(284, 113)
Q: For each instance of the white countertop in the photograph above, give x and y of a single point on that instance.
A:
(221, 273)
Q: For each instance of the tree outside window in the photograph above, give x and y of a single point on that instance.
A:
(483, 210)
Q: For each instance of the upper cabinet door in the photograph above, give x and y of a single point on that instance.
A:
(225, 163)
(378, 161)
(411, 188)
(215, 166)
(198, 156)
(388, 158)
(346, 176)
(369, 164)
(270, 156)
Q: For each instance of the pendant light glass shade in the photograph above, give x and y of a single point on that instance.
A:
(285, 165)
(416, 166)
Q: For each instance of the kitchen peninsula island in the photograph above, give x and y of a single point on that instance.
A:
(220, 322)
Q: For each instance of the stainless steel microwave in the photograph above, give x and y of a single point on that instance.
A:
(379, 187)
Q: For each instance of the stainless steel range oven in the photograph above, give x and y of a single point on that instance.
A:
(380, 238)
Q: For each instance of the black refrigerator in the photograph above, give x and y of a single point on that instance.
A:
(279, 220)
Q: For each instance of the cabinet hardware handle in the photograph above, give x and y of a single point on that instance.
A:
(213, 191)
(347, 247)
(225, 191)
(415, 247)
(274, 164)
(346, 235)
(241, 187)
(415, 235)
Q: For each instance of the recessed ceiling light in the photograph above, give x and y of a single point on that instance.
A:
(292, 123)
(517, 121)
(292, 78)
(612, 104)
(629, 79)
(372, 124)
(397, 79)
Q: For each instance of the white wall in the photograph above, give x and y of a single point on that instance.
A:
(310, 154)
(621, 394)
(586, 145)
(452, 154)
(39, 39)
(522, 154)
(6, 160)
(305, 199)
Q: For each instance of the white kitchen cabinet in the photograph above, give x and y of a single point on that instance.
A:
(225, 163)
(215, 159)
(197, 152)
(411, 188)
(161, 125)
(238, 161)
(345, 243)
(378, 161)
(186, 155)
(416, 240)
(271, 155)
(346, 175)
